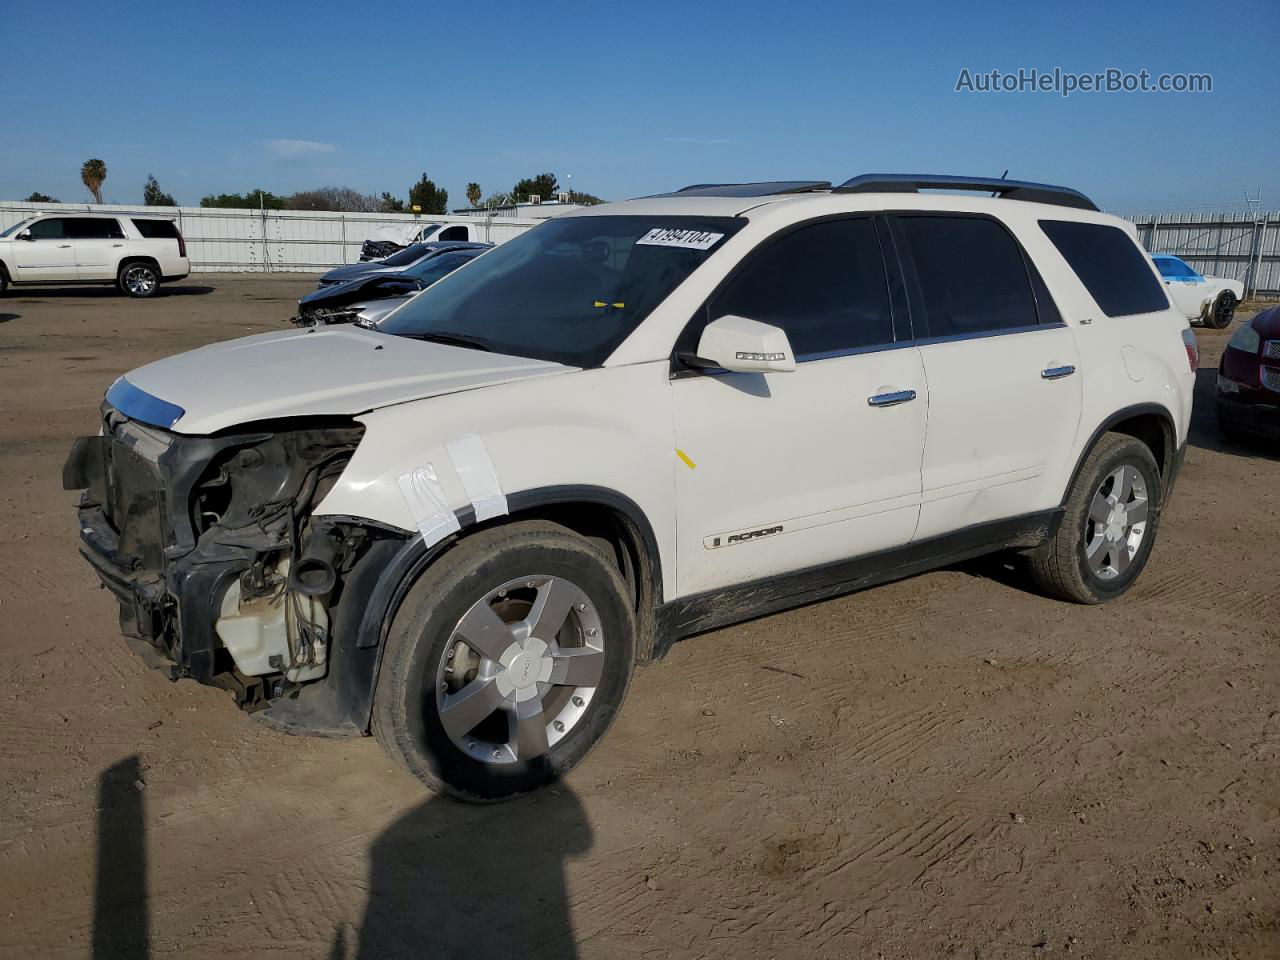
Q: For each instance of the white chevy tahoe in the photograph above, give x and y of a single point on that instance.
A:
(137, 253)
(636, 422)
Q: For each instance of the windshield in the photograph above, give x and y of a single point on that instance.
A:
(410, 254)
(15, 228)
(1174, 269)
(569, 290)
(429, 271)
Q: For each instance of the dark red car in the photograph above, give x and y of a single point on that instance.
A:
(1249, 379)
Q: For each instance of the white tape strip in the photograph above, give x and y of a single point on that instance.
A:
(424, 495)
(479, 477)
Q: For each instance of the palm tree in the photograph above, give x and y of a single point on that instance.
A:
(93, 173)
(474, 194)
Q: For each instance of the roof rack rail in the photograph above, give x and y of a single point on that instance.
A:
(1006, 189)
(766, 188)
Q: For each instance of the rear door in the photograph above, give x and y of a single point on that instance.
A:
(1004, 390)
(48, 255)
(776, 472)
(98, 243)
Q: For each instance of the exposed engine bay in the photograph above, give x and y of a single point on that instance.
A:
(208, 545)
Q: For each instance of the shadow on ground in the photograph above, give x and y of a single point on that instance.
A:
(120, 920)
(448, 880)
(105, 291)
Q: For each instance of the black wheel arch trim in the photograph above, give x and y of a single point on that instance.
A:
(1168, 469)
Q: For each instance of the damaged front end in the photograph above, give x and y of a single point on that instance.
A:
(221, 573)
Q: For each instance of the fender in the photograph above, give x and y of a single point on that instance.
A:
(1172, 454)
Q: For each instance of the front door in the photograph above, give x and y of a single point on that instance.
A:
(778, 472)
(48, 255)
(1004, 388)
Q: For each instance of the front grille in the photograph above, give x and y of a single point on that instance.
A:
(1271, 349)
(1271, 378)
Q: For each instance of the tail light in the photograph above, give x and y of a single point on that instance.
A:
(182, 244)
(1193, 348)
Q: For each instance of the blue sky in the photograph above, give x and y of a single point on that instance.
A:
(630, 99)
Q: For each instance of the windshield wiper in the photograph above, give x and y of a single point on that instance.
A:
(454, 340)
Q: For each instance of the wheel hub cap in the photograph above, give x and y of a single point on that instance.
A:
(525, 666)
(1117, 522)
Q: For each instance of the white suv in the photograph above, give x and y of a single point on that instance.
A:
(136, 253)
(633, 423)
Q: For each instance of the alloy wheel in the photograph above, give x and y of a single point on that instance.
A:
(1116, 523)
(520, 669)
(139, 280)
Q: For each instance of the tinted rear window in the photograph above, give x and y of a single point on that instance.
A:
(972, 275)
(1115, 272)
(157, 229)
(94, 228)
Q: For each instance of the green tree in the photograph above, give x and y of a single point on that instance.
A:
(39, 197)
(337, 199)
(586, 199)
(474, 193)
(544, 185)
(92, 174)
(242, 201)
(428, 196)
(153, 196)
(389, 204)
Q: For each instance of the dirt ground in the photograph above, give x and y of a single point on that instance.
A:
(950, 766)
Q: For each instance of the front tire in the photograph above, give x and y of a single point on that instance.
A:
(1107, 531)
(506, 662)
(4, 279)
(138, 279)
(1222, 312)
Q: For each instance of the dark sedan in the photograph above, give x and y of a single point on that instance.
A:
(350, 301)
(408, 258)
(1249, 379)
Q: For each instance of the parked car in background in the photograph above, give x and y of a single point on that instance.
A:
(136, 253)
(368, 299)
(390, 238)
(1208, 300)
(637, 422)
(406, 259)
(1248, 393)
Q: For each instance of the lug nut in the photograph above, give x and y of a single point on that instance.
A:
(591, 631)
(502, 592)
(582, 607)
(559, 726)
(578, 701)
(529, 584)
(471, 745)
(497, 754)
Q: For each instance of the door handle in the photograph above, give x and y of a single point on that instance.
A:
(117, 245)
(64, 246)
(1057, 373)
(891, 399)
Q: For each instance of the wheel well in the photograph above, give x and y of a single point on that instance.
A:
(1153, 430)
(151, 261)
(622, 540)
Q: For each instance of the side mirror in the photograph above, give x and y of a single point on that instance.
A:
(741, 345)
(25, 235)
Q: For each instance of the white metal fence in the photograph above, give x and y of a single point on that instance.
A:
(264, 241)
(1242, 246)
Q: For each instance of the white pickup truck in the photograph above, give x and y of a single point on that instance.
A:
(388, 239)
(136, 253)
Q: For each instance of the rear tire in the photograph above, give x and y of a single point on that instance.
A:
(1106, 534)
(481, 694)
(4, 280)
(138, 279)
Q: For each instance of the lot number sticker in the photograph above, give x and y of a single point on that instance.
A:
(688, 239)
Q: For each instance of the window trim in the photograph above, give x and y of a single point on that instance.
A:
(894, 289)
(916, 293)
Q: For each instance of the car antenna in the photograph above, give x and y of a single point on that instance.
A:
(996, 193)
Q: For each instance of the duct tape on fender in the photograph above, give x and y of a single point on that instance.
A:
(425, 497)
(479, 476)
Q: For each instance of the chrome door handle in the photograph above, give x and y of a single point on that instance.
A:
(64, 246)
(891, 399)
(1057, 373)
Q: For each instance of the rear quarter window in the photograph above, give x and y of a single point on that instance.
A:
(1116, 273)
(157, 229)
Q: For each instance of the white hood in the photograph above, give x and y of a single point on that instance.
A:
(341, 370)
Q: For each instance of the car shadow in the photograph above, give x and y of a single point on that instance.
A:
(1205, 434)
(6, 317)
(120, 909)
(106, 291)
(458, 881)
